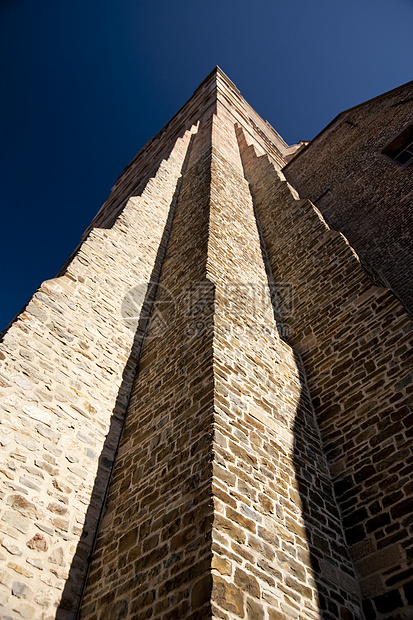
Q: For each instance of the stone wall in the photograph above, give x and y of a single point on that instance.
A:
(361, 192)
(67, 365)
(66, 369)
(355, 339)
(252, 326)
(278, 547)
(221, 502)
(154, 546)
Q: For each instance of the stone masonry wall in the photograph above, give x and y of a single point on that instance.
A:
(215, 86)
(67, 365)
(153, 552)
(209, 481)
(253, 327)
(66, 370)
(275, 515)
(361, 192)
(355, 340)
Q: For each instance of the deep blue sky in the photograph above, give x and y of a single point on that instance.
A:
(85, 83)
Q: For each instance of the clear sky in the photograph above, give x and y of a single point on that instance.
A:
(85, 83)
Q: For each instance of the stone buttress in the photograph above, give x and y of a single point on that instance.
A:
(67, 364)
(206, 483)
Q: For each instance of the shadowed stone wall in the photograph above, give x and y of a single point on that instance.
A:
(355, 338)
(361, 192)
(252, 326)
(275, 508)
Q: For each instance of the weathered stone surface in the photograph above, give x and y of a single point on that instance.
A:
(213, 323)
(20, 503)
(347, 330)
(363, 194)
(228, 597)
(201, 592)
(20, 590)
(13, 549)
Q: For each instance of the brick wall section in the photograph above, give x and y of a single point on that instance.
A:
(355, 341)
(274, 505)
(361, 192)
(66, 370)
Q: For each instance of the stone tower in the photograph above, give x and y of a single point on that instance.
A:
(206, 414)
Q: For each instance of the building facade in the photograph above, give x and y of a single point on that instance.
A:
(207, 414)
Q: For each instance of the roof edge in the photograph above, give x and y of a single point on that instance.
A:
(336, 118)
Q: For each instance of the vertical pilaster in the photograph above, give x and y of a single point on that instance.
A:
(153, 552)
(277, 537)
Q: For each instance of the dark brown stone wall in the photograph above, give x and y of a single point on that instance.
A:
(355, 338)
(361, 192)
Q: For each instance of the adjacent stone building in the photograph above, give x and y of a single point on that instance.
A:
(207, 414)
(357, 172)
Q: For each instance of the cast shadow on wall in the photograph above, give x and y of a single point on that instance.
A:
(337, 588)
